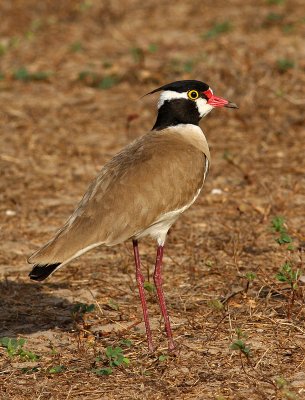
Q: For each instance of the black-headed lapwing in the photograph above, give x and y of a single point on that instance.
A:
(142, 190)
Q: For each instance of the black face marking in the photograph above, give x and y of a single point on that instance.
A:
(180, 111)
(183, 86)
(175, 112)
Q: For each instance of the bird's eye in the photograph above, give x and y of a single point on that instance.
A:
(193, 94)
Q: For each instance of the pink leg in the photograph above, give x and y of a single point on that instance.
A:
(140, 281)
(158, 284)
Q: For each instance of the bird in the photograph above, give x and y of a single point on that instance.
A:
(142, 191)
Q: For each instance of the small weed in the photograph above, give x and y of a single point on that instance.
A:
(250, 276)
(218, 29)
(162, 358)
(85, 5)
(113, 305)
(126, 342)
(57, 369)
(209, 263)
(80, 309)
(3, 49)
(137, 54)
(278, 225)
(275, 2)
(14, 347)
(284, 64)
(288, 28)
(288, 275)
(283, 386)
(102, 371)
(2, 76)
(76, 47)
(97, 81)
(107, 82)
(239, 343)
(188, 66)
(179, 66)
(28, 370)
(274, 17)
(114, 358)
(23, 74)
(216, 305)
(152, 48)
(150, 287)
(107, 64)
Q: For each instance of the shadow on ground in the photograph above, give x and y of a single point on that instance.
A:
(28, 308)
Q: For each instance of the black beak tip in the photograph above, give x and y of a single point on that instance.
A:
(231, 105)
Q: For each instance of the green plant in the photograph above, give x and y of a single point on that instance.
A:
(250, 276)
(278, 226)
(80, 309)
(126, 342)
(98, 81)
(152, 47)
(113, 305)
(3, 49)
(57, 369)
(273, 2)
(162, 357)
(76, 47)
(102, 371)
(284, 64)
(22, 74)
(28, 370)
(114, 358)
(217, 29)
(137, 54)
(107, 82)
(274, 17)
(287, 274)
(14, 347)
(283, 386)
(150, 287)
(216, 304)
(239, 344)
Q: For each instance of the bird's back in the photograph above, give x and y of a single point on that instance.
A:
(158, 173)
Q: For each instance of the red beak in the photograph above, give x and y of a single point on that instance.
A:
(218, 101)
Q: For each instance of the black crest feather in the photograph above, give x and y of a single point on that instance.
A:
(182, 86)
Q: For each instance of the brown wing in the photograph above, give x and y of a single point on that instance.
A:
(159, 172)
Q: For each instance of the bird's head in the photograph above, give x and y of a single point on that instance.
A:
(186, 102)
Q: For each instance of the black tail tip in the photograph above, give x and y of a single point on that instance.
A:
(42, 271)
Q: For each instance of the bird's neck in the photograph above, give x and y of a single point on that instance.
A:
(176, 112)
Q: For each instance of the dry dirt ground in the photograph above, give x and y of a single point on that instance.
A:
(72, 74)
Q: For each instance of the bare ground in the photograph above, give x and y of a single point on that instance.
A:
(72, 74)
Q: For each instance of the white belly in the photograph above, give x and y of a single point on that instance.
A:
(158, 230)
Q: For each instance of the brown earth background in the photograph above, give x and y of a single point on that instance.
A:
(72, 74)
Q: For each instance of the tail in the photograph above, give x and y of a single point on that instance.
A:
(42, 271)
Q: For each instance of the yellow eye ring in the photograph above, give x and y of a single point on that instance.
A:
(192, 94)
